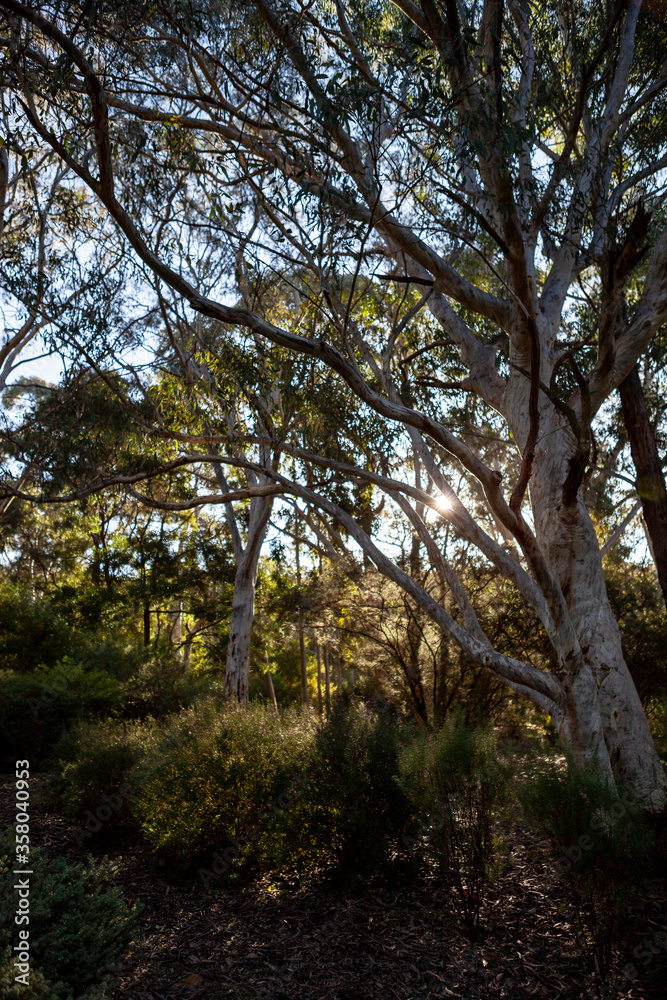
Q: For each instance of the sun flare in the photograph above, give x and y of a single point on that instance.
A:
(443, 503)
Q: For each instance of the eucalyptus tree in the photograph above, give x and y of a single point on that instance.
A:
(239, 406)
(381, 140)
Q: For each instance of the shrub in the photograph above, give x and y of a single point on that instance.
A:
(277, 791)
(32, 630)
(38, 987)
(79, 924)
(350, 812)
(37, 708)
(95, 763)
(602, 843)
(206, 775)
(457, 783)
(158, 688)
(115, 657)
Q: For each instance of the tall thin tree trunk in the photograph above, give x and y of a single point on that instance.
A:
(302, 643)
(411, 665)
(327, 680)
(305, 697)
(147, 623)
(237, 668)
(177, 624)
(319, 678)
(270, 689)
(187, 652)
(650, 480)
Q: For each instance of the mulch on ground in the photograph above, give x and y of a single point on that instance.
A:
(277, 940)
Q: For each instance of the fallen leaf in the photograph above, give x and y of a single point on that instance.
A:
(192, 980)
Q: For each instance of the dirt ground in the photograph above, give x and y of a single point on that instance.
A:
(277, 940)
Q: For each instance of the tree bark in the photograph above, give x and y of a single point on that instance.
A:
(176, 630)
(414, 615)
(237, 668)
(187, 652)
(603, 718)
(650, 480)
(304, 667)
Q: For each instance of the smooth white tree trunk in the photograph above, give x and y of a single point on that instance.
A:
(604, 718)
(237, 668)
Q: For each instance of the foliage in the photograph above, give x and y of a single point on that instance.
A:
(657, 716)
(38, 987)
(205, 774)
(351, 814)
(197, 782)
(639, 608)
(37, 708)
(457, 782)
(79, 924)
(95, 761)
(33, 632)
(602, 843)
(159, 687)
(408, 150)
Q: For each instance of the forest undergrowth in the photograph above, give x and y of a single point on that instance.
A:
(242, 855)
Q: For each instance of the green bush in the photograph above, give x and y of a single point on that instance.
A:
(95, 764)
(38, 987)
(37, 708)
(278, 792)
(600, 840)
(79, 924)
(457, 782)
(158, 688)
(32, 630)
(349, 812)
(205, 775)
(117, 658)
